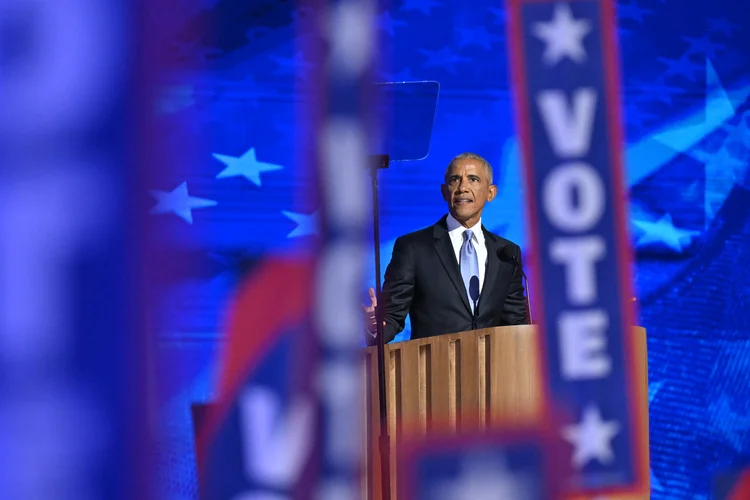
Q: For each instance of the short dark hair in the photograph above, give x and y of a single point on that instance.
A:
(471, 156)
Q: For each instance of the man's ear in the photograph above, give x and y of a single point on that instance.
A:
(493, 193)
(446, 192)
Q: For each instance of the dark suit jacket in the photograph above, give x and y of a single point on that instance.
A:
(424, 281)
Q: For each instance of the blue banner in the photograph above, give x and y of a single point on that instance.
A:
(258, 438)
(566, 81)
(75, 300)
(286, 424)
(497, 465)
(732, 485)
(342, 139)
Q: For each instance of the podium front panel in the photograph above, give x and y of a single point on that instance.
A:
(456, 383)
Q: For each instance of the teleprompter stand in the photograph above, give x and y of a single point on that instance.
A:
(406, 111)
(377, 162)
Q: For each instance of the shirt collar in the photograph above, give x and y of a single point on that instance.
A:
(456, 229)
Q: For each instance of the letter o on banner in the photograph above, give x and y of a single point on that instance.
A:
(558, 201)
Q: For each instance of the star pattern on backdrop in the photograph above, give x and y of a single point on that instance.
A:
(735, 425)
(477, 36)
(677, 115)
(663, 235)
(721, 26)
(591, 438)
(684, 135)
(658, 89)
(307, 224)
(682, 66)
(246, 166)
(563, 36)
(702, 46)
(444, 58)
(484, 479)
(632, 11)
(642, 118)
(179, 202)
(739, 134)
(500, 15)
(388, 24)
(723, 172)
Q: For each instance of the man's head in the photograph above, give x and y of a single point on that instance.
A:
(468, 186)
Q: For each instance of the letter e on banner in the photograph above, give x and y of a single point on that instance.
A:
(565, 79)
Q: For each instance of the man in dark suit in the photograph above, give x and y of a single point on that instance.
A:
(455, 275)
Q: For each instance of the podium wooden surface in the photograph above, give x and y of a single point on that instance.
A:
(462, 382)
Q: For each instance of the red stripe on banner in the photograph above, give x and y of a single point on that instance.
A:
(741, 490)
(625, 251)
(521, 102)
(276, 296)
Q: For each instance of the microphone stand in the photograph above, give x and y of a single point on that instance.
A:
(376, 163)
(526, 289)
(506, 257)
(528, 297)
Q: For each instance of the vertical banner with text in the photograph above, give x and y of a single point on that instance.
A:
(75, 398)
(342, 129)
(566, 84)
(286, 423)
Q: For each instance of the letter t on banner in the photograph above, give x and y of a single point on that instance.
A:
(565, 78)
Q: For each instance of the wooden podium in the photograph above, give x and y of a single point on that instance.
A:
(462, 382)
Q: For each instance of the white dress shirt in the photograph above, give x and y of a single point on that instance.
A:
(456, 232)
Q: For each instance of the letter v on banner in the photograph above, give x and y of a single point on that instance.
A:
(564, 58)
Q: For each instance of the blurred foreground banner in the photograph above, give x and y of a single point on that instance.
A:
(73, 242)
(286, 424)
(732, 485)
(566, 82)
(501, 464)
(259, 437)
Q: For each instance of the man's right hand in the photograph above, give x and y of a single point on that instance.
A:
(370, 313)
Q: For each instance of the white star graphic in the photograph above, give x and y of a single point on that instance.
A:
(563, 36)
(663, 233)
(591, 438)
(179, 202)
(307, 224)
(485, 479)
(650, 154)
(246, 166)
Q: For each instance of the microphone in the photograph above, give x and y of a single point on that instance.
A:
(474, 295)
(505, 255)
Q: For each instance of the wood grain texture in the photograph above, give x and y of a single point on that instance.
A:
(464, 382)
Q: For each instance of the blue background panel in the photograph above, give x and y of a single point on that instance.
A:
(685, 82)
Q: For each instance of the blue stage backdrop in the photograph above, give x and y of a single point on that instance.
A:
(686, 83)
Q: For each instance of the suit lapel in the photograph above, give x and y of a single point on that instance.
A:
(493, 265)
(447, 256)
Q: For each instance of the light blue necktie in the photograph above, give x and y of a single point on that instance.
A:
(469, 263)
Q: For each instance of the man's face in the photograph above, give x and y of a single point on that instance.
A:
(466, 190)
